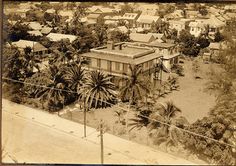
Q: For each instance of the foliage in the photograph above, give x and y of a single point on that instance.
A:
(161, 27)
(39, 78)
(74, 77)
(118, 36)
(56, 94)
(203, 42)
(126, 8)
(160, 122)
(218, 37)
(217, 127)
(17, 32)
(178, 69)
(188, 44)
(135, 85)
(100, 32)
(202, 10)
(97, 90)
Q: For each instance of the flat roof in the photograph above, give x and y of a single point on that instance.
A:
(127, 50)
(128, 54)
(156, 43)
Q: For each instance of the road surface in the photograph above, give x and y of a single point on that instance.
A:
(34, 136)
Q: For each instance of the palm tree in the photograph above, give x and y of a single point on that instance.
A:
(74, 76)
(56, 93)
(135, 85)
(97, 90)
(160, 122)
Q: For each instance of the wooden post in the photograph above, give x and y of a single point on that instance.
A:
(101, 141)
(84, 118)
(161, 71)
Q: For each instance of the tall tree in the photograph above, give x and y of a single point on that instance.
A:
(98, 90)
(135, 86)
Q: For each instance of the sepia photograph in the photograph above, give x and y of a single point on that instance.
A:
(124, 83)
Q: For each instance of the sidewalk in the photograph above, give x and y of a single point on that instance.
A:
(34, 136)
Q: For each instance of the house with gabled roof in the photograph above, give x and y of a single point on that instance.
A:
(179, 24)
(93, 18)
(35, 25)
(146, 21)
(46, 30)
(35, 33)
(37, 48)
(142, 38)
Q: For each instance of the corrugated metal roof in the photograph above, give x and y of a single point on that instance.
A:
(59, 36)
(35, 46)
(35, 33)
(147, 19)
(146, 38)
(156, 43)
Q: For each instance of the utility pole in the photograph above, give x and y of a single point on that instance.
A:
(84, 118)
(161, 67)
(101, 141)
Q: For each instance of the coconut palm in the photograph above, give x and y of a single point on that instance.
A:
(97, 90)
(135, 85)
(160, 122)
(56, 93)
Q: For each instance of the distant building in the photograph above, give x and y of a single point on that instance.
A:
(130, 18)
(46, 30)
(101, 10)
(180, 24)
(58, 36)
(114, 59)
(93, 18)
(199, 26)
(37, 48)
(213, 51)
(158, 36)
(35, 33)
(168, 51)
(142, 38)
(145, 21)
(122, 29)
(34, 25)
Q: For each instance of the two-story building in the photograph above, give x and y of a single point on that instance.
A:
(115, 59)
(169, 52)
(130, 18)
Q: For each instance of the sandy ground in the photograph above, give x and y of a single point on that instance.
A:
(33, 136)
(192, 99)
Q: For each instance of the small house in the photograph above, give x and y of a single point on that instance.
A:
(37, 48)
(142, 38)
(146, 21)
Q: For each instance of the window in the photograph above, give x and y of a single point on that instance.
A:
(99, 63)
(146, 65)
(117, 65)
(109, 65)
(125, 67)
(151, 63)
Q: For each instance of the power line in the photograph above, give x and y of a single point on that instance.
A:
(125, 109)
